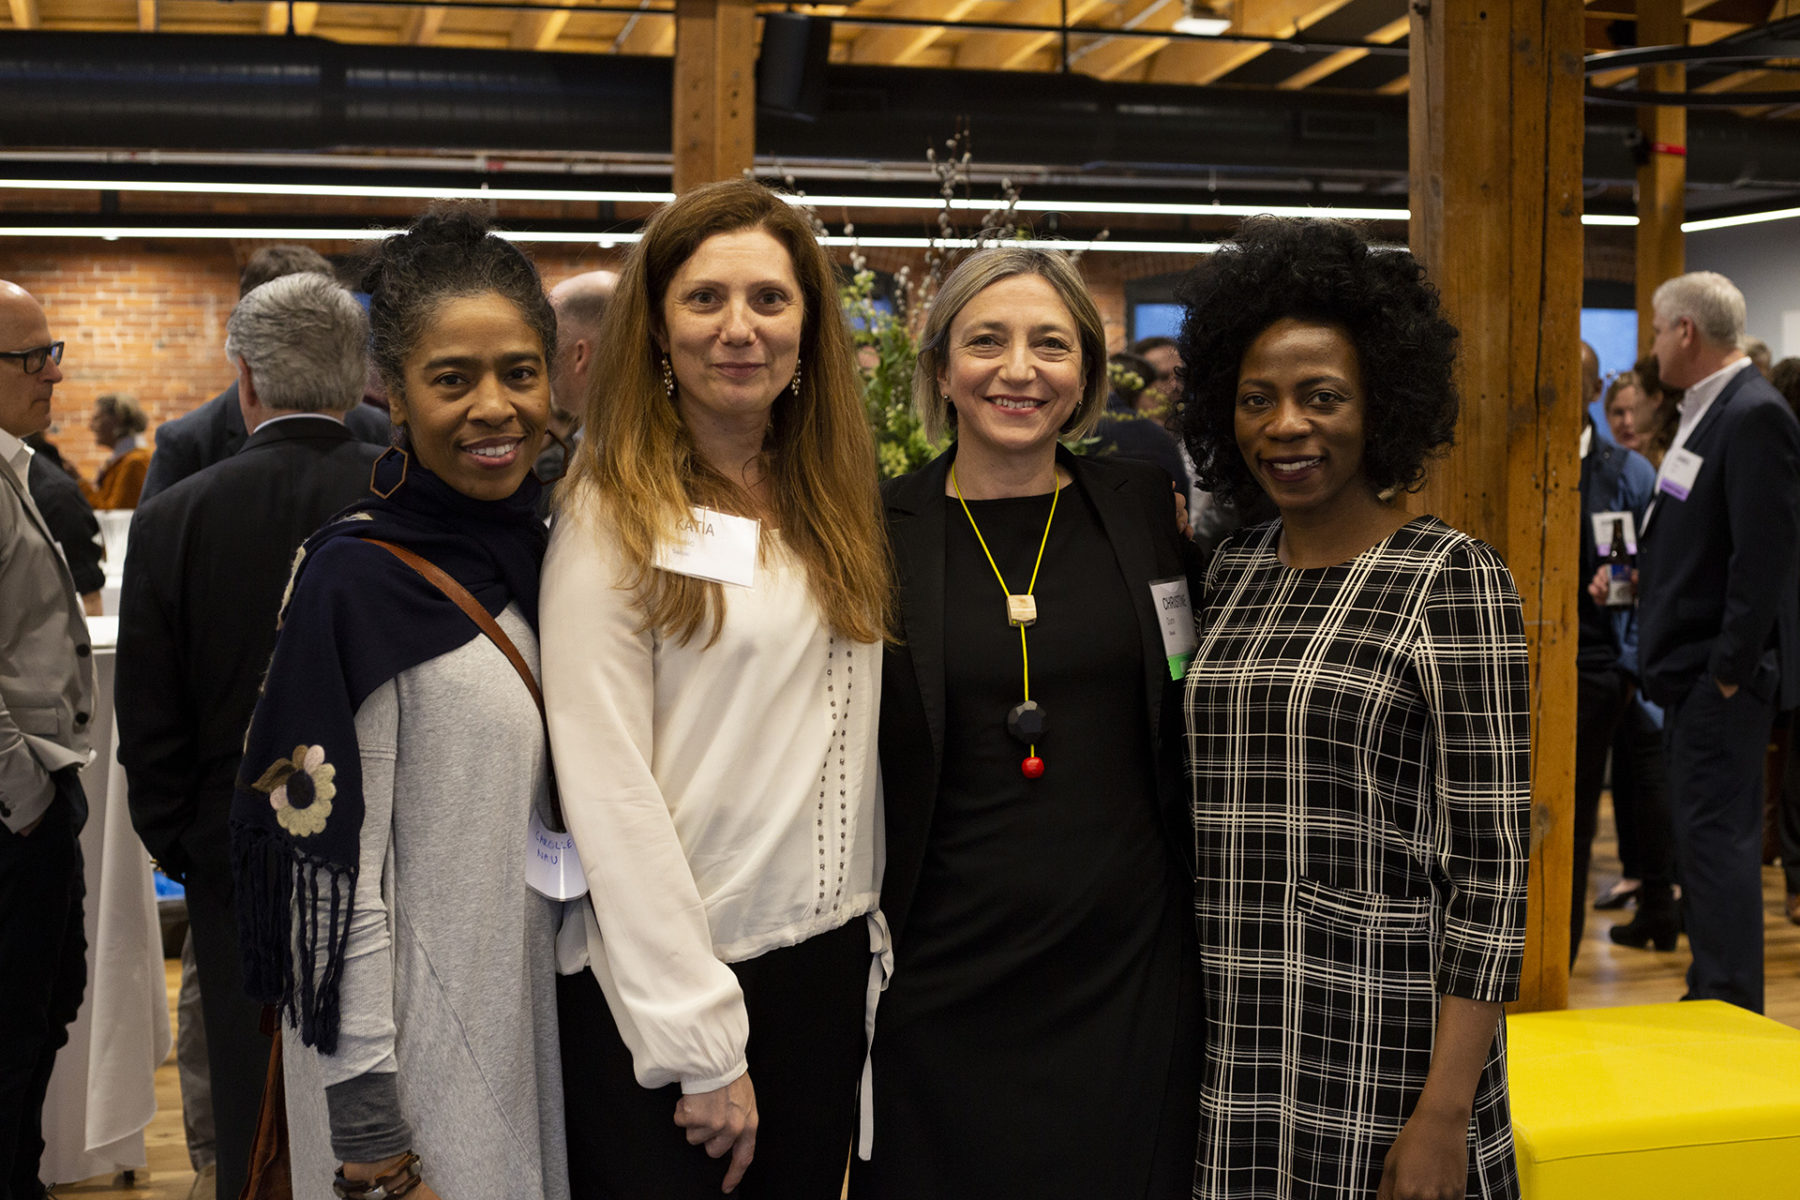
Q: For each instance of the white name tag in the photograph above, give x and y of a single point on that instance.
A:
(1678, 472)
(552, 865)
(1603, 531)
(1175, 613)
(715, 546)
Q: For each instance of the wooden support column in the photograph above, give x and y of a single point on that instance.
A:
(1496, 133)
(715, 90)
(1662, 180)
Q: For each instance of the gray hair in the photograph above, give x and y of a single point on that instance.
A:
(1708, 299)
(971, 277)
(306, 340)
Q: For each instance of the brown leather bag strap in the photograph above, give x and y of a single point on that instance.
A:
(472, 608)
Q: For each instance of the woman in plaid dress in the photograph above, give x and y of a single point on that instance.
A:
(1358, 743)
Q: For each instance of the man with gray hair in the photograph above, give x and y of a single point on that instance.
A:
(204, 572)
(1719, 624)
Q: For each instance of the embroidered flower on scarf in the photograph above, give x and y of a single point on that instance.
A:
(300, 790)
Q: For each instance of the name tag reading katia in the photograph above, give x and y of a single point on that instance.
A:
(1679, 470)
(1175, 616)
(713, 545)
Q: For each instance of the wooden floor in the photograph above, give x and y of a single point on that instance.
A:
(1605, 975)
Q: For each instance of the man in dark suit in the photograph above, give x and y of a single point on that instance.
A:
(46, 702)
(1719, 629)
(215, 430)
(71, 520)
(207, 564)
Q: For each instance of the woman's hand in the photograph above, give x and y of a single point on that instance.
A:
(1430, 1158)
(1182, 525)
(721, 1120)
(369, 1172)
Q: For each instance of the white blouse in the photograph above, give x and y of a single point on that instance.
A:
(725, 799)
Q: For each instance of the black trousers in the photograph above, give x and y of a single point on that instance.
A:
(43, 960)
(237, 1053)
(1787, 814)
(1640, 781)
(1600, 698)
(806, 1053)
(1715, 756)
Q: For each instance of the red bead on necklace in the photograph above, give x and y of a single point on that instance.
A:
(1033, 767)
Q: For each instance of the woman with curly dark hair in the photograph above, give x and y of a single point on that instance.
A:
(1358, 742)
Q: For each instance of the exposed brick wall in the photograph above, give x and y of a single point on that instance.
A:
(147, 318)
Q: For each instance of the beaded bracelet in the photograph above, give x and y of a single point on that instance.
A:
(401, 1180)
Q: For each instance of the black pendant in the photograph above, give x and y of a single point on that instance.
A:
(1028, 722)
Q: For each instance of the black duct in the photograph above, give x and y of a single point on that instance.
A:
(220, 93)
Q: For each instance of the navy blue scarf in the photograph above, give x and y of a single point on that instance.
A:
(354, 617)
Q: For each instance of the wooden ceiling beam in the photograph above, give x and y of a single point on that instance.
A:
(1331, 64)
(1200, 63)
(651, 32)
(146, 16)
(539, 29)
(275, 18)
(25, 14)
(898, 45)
(1110, 58)
(422, 25)
(1013, 51)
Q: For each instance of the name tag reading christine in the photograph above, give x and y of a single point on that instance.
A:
(1678, 472)
(1175, 615)
(713, 545)
(552, 865)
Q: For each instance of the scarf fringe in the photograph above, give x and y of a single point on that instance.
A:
(292, 960)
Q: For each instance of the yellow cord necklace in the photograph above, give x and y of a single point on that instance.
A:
(1027, 721)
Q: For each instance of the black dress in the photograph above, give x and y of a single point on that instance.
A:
(1034, 1042)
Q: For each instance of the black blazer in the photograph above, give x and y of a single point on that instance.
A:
(205, 569)
(191, 443)
(1137, 510)
(1719, 572)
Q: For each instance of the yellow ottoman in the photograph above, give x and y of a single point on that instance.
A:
(1689, 1101)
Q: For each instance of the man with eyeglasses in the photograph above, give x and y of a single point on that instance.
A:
(46, 702)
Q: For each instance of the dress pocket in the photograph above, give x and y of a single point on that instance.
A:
(1363, 1018)
(1360, 910)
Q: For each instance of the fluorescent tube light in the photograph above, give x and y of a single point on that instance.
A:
(1202, 26)
(579, 195)
(585, 237)
(1781, 214)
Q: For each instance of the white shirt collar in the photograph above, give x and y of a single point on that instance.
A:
(1587, 439)
(1697, 399)
(16, 454)
(300, 416)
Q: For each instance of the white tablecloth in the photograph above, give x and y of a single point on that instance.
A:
(103, 1092)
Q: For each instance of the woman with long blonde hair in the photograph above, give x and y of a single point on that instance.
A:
(715, 598)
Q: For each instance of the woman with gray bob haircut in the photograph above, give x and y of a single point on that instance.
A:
(1041, 1035)
(303, 342)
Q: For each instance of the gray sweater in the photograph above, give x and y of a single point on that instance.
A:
(448, 1042)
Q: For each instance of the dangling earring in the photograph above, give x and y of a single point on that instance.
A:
(375, 470)
(668, 377)
(796, 377)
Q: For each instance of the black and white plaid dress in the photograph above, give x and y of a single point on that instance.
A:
(1359, 750)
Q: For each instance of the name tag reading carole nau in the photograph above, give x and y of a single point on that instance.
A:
(1175, 615)
(713, 545)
